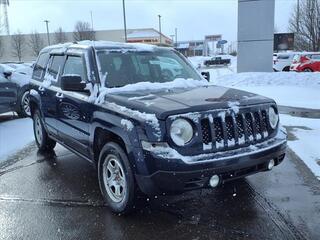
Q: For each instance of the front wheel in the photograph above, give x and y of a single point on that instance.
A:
(43, 141)
(116, 179)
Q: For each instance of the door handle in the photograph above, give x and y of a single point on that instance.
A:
(59, 95)
(41, 89)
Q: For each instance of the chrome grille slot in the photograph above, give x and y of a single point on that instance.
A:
(219, 132)
(230, 131)
(240, 129)
(206, 133)
(249, 127)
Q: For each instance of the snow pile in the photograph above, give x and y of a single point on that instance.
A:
(270, 79)
(148, 118)
(234, 106)
(306, 146)
(286, 88)
(127, 124)
(14, 135)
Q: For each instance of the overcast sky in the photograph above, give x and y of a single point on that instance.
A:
(193, 18)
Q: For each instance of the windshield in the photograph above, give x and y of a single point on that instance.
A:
(132, 67)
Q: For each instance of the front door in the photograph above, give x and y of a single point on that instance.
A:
(8, 95)
(73, 109)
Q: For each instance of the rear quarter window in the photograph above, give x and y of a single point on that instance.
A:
(40, 67)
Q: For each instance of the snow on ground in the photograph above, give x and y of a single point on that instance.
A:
(306, 144)
(286, 88)
(14, 136)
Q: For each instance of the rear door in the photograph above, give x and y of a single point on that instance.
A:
(73, 109)
(45, 80)
(8, 95)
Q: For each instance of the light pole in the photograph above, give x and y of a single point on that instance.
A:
(91, 20)
(47, 25)
(176, 33)
(160, 28)
(124, 21)
(172, 39)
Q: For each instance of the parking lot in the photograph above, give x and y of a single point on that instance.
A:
(57, 196)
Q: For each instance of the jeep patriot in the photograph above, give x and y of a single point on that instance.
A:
(148, 121)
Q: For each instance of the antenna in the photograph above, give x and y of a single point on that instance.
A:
(4, 12)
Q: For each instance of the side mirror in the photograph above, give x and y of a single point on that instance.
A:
(7, 74)
(206, 75)
(72, 83)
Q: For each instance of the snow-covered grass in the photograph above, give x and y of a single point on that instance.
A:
(306, 146)
(14, 135)
(286, 88)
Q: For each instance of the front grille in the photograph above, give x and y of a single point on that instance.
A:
(229, 130)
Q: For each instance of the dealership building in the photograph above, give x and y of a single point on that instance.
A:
(144, 35)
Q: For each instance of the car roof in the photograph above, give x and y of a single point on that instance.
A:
(100, 45)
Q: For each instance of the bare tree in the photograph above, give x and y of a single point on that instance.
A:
(18, 45)
(1, 47)
(36, 43)
(305, 23)
(1, 42)
(83, 31)
(60, 36)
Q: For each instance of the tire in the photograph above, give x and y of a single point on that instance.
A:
(307, 70)
(43, 141)
(286, 69)
(116, 179)
(24, 107)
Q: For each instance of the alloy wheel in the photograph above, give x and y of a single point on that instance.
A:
(114, 178)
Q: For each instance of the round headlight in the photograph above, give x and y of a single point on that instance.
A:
(181, 132)
(273, 118)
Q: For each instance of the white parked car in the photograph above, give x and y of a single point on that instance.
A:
(283, 61)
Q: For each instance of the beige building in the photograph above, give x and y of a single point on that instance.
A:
(145, 35)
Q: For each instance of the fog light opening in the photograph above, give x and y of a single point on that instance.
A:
(214, 181)
(271, 164)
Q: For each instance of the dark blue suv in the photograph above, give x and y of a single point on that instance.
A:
(148, 120)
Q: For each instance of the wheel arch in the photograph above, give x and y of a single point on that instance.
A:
(103, 134)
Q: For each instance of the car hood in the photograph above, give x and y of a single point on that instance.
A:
(168, 102)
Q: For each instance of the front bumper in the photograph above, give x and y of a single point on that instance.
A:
(172, 173)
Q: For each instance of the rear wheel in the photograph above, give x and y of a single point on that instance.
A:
(43, 141)
(307, 70)
(116, 179)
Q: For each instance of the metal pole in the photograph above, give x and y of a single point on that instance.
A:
(176, 33)
(160, 28)
(124, 21)
(91, 21)
(172, 39)
(47, 24)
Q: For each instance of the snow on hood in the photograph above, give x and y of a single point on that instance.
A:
(142, 86)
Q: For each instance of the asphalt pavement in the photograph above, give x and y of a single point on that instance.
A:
(56, 196)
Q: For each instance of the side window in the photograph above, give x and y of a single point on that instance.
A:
(56, 66)
(40, 66)
(75, 65)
